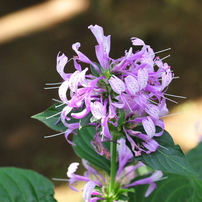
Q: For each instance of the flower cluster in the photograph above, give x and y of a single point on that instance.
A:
(96, 187)
(118, 95)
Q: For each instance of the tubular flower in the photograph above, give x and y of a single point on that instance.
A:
(96, 185)
(131, 87)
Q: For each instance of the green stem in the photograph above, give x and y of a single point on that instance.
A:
(113, 163)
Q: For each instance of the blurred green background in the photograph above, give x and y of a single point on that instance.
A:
(27, 62)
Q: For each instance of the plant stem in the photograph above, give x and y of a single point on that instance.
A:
(113, 163)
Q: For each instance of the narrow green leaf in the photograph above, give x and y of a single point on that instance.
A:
(85, 150)
(194, 157)
(25, 186)
(178, 188)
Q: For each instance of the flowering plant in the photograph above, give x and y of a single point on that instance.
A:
(114, 108)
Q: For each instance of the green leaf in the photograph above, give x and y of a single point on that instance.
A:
(51, 116)
(85, 120)
(94, 71)
(121, 118)
(122, 197)
(51, 122)
(194, 157)
(24, 186)
(168, 157)
(85, 150)
(177, 188)
(170, 160)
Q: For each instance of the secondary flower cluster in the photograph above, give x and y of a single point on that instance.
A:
(118, 95)
(96, 187)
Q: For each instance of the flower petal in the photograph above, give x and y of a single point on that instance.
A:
(153, 111)
(124, 154)
(64, 114)
(137, 42)
(117, 84)
(166, 78)
(103, 47)
(70, 129)
(105, 128)
(73, 81)
(151, 145)
(97, 110)
(81, 56)
(61, 62)
(132, 85)
(62, 91)
(88, 189)
(149, 127)
(142, 78)
(72, 169)
(81, 114)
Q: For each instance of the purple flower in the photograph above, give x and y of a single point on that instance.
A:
(96, 183)
(124, 155)
(61, 62)
(103, 48)
(88, 191)
(156, 176)
(128, 172)
(149, 127)
(73, 177)
(117, 85)
(128, 85)
(148, 145)
(91, 177)
(132, 85)
(97, 178)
